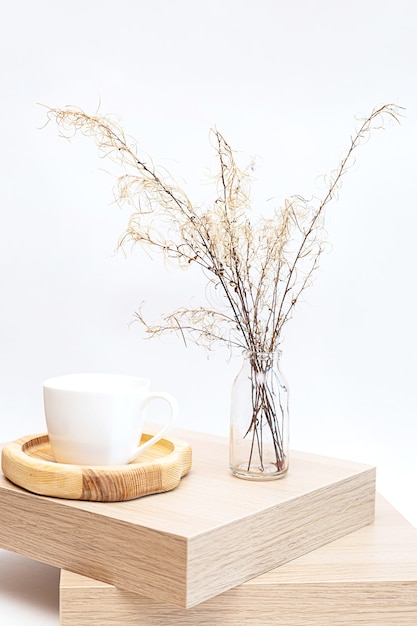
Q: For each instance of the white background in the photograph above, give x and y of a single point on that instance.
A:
(283, 82)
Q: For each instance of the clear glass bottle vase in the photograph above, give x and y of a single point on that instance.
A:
(259, 419)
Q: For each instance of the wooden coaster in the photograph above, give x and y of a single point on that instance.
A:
(29, 463)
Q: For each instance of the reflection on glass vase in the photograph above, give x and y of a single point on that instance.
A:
(259, 419)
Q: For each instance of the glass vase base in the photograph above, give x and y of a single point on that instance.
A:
(269, 472)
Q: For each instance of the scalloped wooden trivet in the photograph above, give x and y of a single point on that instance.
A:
(29, 463)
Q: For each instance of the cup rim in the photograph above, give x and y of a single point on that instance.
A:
(95, 382)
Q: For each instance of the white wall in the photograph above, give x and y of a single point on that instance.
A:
(282, 81)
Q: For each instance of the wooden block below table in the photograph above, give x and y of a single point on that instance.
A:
(210, 534)
(368, 578)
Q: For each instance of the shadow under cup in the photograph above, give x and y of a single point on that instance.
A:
(97, 419)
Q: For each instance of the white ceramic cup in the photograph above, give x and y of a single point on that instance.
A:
(97, 419)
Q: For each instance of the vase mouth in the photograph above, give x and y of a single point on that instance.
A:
(262, 354)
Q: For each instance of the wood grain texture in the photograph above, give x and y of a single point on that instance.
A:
(29, 462)
(367, 578)
(212, 533)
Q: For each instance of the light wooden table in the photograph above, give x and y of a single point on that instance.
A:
(367, 578)
(212, 533)
(307, 545)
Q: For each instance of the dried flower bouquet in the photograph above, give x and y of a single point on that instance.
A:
(258, 269)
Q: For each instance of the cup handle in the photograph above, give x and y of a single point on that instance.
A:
(174, 410)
